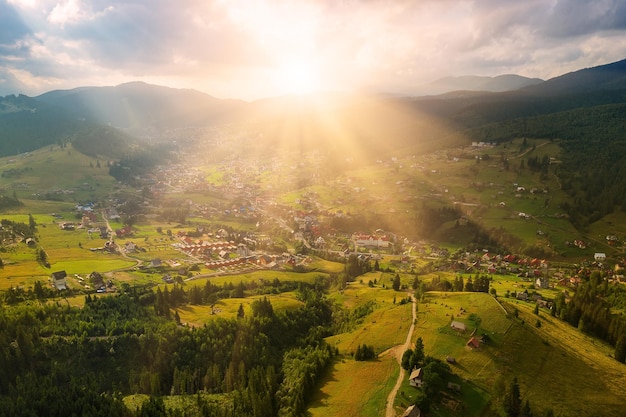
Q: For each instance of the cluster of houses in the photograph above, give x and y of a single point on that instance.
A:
(371, 241)
(500, 264)
(58, 280)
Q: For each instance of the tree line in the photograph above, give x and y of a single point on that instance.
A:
(86, 359)
(589, 311)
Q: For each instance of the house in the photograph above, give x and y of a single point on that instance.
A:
(155, 263)
(599, 256)
(58, 280)
(412, 411)
(451, 360)
(124, 231)
(130, 247)
(96, 279)
(243, 250)
(458, 326)
(67, 226)
(542, 282)
(473, 343)
(522, 296)
(416, 379)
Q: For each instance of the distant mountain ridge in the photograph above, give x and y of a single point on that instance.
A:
(500, 83)
(139, 105)
(380, 122)
(604, 77)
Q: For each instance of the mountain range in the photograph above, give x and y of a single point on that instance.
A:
(507, 82)
(27, 123)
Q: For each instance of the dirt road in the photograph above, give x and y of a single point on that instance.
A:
(399, 351)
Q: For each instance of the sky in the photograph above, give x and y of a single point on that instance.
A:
(251, 49)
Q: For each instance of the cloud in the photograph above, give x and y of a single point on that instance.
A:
(12, 29)
(579, 17)
(230, 48)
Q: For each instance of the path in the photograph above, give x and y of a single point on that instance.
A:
(407, 345)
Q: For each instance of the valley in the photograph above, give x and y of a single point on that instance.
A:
(267, 264)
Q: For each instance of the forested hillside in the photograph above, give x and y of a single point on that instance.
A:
(593, 166)
(61, 361)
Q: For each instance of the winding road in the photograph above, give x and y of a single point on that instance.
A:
(399, 351)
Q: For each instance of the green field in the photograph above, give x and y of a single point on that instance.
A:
(352, 388)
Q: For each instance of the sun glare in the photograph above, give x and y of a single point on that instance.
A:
(298, 78)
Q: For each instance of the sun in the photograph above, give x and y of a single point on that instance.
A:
(298, 77)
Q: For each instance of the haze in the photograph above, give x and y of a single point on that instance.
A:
(255, 49)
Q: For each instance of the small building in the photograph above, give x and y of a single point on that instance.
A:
(599, 256)
(458, 326)
(412, 411)
(130, 247)
(67, 226)
(451, 360)
(416, 379)
(473, 343)
(542, 282)
(96, 279)
(58, 280)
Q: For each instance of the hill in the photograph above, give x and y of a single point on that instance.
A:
(500, 83)
(141, 105)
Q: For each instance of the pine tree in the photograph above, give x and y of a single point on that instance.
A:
(418, 354)
(407, 360)
(240, 312)
(396, 282)
(526, 411)
(512, 400)
(31, 222)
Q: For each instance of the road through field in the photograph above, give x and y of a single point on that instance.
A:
(399, 350)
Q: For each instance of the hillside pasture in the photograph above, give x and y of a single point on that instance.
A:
(62, 173)
(350, 388)
(257, 276)
(197, 315)
(590, 381)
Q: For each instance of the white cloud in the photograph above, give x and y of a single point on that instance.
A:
(228, 46)
(69, 11)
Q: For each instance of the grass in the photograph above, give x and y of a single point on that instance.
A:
(590, 382)
(50, 169)
(352, 388)
(263, 275)
(227, 308)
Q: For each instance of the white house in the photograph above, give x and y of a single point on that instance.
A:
(458, 326)
(599, 256)
(58, 280)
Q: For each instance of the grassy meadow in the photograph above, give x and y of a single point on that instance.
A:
(350, 388)
(57, 172)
